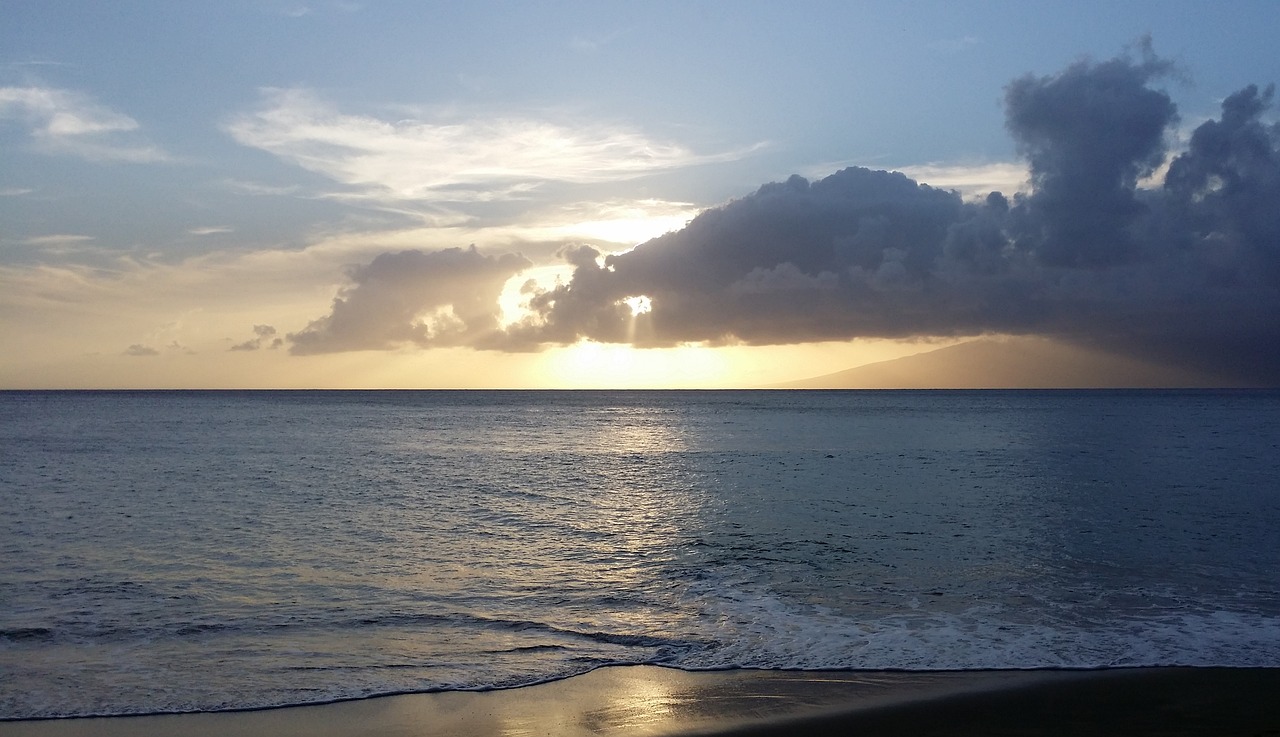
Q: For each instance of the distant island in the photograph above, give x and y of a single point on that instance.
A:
(1009, 363)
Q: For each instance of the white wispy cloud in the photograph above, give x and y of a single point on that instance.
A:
(452, 161)
(973, 180)
(211, 230)
(68, 122)
(303, 10)
(57, 240)
(258, 189)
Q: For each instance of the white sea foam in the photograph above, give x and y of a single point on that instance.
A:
(761, 630)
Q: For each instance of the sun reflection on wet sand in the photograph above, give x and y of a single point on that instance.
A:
(641, 701)
(646, 701)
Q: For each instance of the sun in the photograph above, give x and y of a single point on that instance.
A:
(639, 305)
(591, 365)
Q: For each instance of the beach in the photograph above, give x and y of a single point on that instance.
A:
(649, 700)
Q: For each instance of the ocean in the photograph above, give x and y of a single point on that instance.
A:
(204, 551)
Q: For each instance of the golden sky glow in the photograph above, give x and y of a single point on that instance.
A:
(142, 323)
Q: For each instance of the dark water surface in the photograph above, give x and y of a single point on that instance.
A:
(172, 551)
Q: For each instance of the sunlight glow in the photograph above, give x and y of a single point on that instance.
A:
(631, 230)
(973, 181)
(591, 365)
(514, 299)
(639, 305)
(624, 222)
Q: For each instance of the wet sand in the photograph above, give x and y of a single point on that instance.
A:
(646, 700)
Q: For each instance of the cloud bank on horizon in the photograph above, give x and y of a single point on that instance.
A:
(1122, 243)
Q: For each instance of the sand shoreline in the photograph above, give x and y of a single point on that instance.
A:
(649, 700)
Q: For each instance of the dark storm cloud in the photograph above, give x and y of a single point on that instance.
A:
(1227, 184)
(442, 298)
(1088, 134)
(794, 261)
(1187, 273)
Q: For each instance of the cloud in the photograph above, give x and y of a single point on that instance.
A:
(57, 239)
(1089, 134)
(60, 243)
(262, 333)
(66, 122)
(973, 181)
(793, 262)
(414, 298)
(301, 10)
(257, 189)
(1115, 244)
(1186, 272)
(137, 349)
(211, 230)
(453, 161)
(614, 221)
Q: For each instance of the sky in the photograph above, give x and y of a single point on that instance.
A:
(619, 194)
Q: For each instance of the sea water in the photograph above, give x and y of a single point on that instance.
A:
(190, 551)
